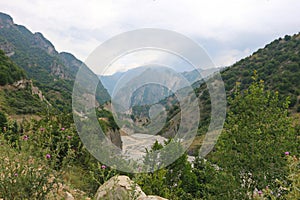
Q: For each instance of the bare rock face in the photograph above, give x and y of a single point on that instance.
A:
(115, 137)
(21, 84)
(43, 43)
(57, 70)
(122, 188)
(8, 48)
(24, 83)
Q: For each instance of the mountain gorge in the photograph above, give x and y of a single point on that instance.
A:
(277, 64)
(43, 156)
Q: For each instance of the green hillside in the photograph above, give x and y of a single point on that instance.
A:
(256, 156)
(16, 98)
(9, 72)
(52, 72)
(278, 64)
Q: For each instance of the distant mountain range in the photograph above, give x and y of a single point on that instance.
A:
(52, 72)
(149, 93)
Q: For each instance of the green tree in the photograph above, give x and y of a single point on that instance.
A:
(175, 181)
(3, 120)
(256, 136)
(214, 182)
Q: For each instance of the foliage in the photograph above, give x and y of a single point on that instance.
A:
(54, 144)
(16, 100)
(9, 72)
(21, 101)
(252, 159)
(256, 136)
(293, 188)
(23, 176)
(54, 73)
(106, 119)
(176, 181)
(277, 64)
(3, 121)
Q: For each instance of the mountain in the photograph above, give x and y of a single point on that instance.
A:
(151, 91)
(17, 94)
(9, 72)
(277, 64)
(110, 81)
(53, 72)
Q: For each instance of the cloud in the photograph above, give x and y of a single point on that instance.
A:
(228, 30)
(147, 58)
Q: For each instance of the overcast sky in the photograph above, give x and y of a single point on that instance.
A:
(228, 29)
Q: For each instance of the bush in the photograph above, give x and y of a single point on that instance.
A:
(256, 135)
(23, 176)
(3, 121)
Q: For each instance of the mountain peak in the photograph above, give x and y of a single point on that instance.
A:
(43, 43)
(5, 20)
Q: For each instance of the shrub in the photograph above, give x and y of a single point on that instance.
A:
(23, 176)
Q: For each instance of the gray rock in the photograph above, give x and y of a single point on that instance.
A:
(69, 196)
(151, 197)
(122, 188)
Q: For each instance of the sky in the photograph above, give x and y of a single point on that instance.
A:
(228, 30)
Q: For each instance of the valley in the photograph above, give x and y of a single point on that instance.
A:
(59, 138)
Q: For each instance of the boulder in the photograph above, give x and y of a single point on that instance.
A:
(122, 188)
(69, 196)
(151, 197)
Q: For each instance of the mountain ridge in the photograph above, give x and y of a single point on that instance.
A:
(53, 72)
(277, 64)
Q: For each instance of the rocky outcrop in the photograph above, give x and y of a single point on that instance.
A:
(8, 48)
(122, 188)
(58, 70)
(5, 21)
(37, 91)
(43, 43)
(23, 84)
(115, 137)
(71, 61)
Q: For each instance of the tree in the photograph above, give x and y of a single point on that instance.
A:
(256, 136)
(3, 120)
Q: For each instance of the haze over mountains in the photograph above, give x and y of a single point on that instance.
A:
(153, 91)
